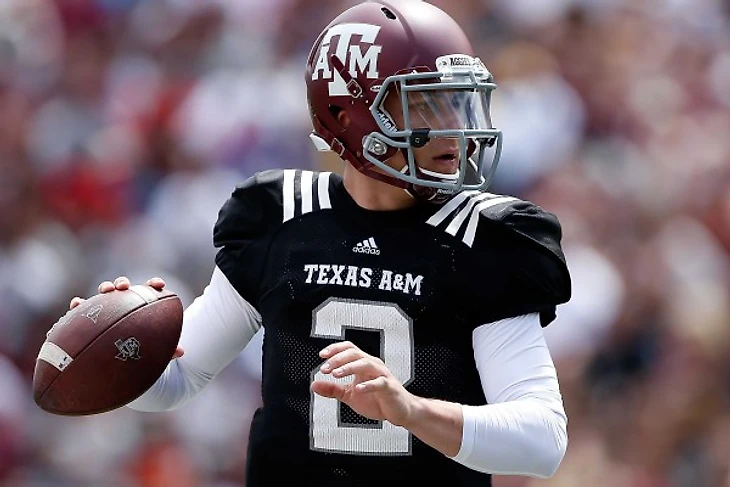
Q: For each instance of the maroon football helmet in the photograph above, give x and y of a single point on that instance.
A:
(411, 50)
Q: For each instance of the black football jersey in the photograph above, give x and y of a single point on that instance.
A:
(408, 286)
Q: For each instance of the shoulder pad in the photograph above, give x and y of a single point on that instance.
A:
(530, 222)
(249, 219)
(520, 236)
(540, 261)
(270, 198)
(468, 212)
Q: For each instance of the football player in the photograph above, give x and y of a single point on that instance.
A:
(403, 305)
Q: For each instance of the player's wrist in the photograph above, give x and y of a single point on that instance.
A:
(416, 411)
(437, 423)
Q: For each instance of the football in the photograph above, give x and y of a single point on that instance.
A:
(107, 351)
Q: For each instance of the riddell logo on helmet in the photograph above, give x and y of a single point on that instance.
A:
(386, 121)
(460, 61)
(351, 54)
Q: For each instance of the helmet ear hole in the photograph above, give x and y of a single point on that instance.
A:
(334, 110)
(341, 116)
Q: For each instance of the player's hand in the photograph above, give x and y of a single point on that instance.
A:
(374, 391)
(121, 283)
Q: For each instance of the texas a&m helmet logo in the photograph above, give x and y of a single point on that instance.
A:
(357, 57)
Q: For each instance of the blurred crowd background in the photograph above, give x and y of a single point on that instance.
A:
(125, 124)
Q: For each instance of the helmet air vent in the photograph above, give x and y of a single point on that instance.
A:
(388, 13)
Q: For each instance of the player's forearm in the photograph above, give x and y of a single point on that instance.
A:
(523, 428)
(174, 388)
(439, 424)
(524, 437)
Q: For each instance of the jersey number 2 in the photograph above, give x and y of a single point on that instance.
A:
(330, 320)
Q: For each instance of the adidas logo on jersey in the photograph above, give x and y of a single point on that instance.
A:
(367, 246)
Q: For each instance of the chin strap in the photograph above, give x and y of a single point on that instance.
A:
(322, 136)
(325, 140)
(426, 193)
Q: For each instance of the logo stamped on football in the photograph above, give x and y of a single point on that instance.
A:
(128, 348)
(93, 313)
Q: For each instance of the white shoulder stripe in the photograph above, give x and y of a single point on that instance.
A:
(323, 190)
(307, 191)
(461, 216)
(449, 207)
(471, 229)
(289, 194)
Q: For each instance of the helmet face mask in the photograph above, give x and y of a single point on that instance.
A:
(452, 103)
(406, 75)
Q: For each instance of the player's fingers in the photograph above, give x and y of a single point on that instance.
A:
(179, 352)
(373, 385)
(335, 348)
(106, 286)
(328, 389)
(75, 302)
(121, 283)
(156, 282)
(361, 366)
(342, 358)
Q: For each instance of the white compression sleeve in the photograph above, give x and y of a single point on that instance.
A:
(523, 429)
(216, 328)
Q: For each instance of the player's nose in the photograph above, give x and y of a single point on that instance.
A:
(443, 145)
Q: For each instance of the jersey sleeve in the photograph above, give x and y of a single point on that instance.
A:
(519, 261)
(245, 225)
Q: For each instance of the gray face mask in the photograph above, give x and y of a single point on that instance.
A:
(452, 103)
